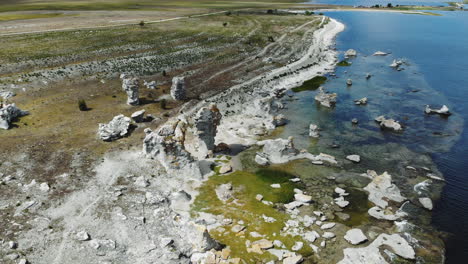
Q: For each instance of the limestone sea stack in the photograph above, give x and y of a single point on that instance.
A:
(178, 89)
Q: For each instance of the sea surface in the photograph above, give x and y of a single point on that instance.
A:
(435, 51)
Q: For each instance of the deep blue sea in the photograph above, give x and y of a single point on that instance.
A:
(435, 49)
(381, 2)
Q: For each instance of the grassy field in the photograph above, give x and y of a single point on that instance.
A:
(10, 16)
(134, 5)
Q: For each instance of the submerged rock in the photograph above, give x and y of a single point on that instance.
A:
(131, 87)
(178, 90)
(115, 129)
(8, 113)
(371, 253)
(326, 99)
(388, 123)
(368, 76)
(351, 53)
(396, 63)
(444, 110)
(279, 120)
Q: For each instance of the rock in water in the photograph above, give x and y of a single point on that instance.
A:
(178, 91)
(426, 202)
(131, 87)
(350, 53)
(349, 82)
(355, 236)
(388, 123)
(361, 101)
(115, 129)
(313, 131)
(354, 158)
(279, 120)
(368, 76)
(396, 63)
(381, 189)
(444, 110)
(206, 123)
(380, 53)
(326, 99)
(8, 113)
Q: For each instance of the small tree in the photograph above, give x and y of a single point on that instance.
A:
(163, 103)
(271, 39)
(389, 5)
(270, 11)
(308, 13)
(228, 13)
(142, 23)
(164, 73)
(82, 105)
(225, 24)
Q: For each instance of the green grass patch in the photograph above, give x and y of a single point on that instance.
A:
(246, 186)
(343, 63)
(10, 17)
(311, 84)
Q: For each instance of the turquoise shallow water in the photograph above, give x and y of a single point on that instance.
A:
(380, 2)
(436, 73)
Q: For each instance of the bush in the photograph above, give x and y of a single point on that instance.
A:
(271, 39)
(228, 13)
(225, 24)
(163, 103)
(389, 5)
(308, 13)
(320, 14)
(164, 73)
(82, 105)
(142, 23)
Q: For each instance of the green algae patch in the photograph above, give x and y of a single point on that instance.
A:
(343, 63)
(357, 208)
(312, 84)
(245, 207)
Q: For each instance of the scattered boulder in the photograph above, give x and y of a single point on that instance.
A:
(388, 123)
(150, 85)
(275, 186)
(139, 116)
(380, 53)
(355, 236)
(386, 213)
(8, 113)
(327, 226)
(313, 131)
(341, 202)
(354, 158)
(7, 94)
(279, 120)
(381, 189)
(444, 110)
(362, 101)
(354, 121)
(178, 90)
(293, 259)
(224, 192)
(426, 203)
(115, 129)
(371, 253)
(82, 236)
(326, 99)
(263, 244)
(226, 168)
(297, 246)
(351, 53)
(131, 87)
(303, 198)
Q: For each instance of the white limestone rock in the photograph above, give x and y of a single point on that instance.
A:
(82, 236)
(351, 53)
(131, 86)
(115, 129)
(349, 82)
(224, 192)
(279, 120)
(178, 89)
(381, 189)
(444, 110)
(8, 113)
(355, 236)
(138, 116)
(303, 198)
(206, 122)
(7, 94)
(386, 213)
(362, 101)
(326, 99)
(380, 53)
(150, 85)
(354, 158)
(327, 226)
(313, 131)
(371, 254)
(388, 123)
(426, 203)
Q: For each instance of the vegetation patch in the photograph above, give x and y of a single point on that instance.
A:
(311, 84)
(343, 63)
